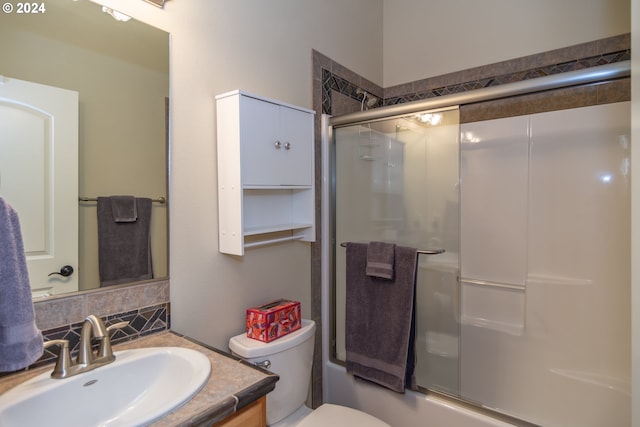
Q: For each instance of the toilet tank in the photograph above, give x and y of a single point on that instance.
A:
(291, 357)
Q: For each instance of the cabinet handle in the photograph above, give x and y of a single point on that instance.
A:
(278, 145)
(287, 145)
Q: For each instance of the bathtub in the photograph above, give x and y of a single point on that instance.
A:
(399, 410)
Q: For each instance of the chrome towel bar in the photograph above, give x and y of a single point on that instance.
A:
(420, 251)
(161, 200)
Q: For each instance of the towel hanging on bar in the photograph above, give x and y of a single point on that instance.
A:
(161, 200)
(380, 319)
(420, 251)
(124, 248)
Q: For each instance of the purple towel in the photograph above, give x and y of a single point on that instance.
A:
(124, 208)
(124, 248)
(380, 323)
(380, 258)
(21, 342)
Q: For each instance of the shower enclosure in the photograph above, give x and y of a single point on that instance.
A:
(527, 310)
(397, 180)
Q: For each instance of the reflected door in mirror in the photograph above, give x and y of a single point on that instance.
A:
(39, 175)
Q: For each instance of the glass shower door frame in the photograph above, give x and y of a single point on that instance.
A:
(401, 165)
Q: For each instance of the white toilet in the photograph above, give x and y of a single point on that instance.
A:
(291, 358)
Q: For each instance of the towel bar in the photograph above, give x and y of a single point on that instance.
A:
(161, 200)
(271, 241)
(420, 251)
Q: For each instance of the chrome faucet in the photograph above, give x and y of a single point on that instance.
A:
(87, 360)
(91, 326)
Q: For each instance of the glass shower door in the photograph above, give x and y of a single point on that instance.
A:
(396, 180)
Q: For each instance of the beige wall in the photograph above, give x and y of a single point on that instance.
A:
(264, 48)
(429, 38)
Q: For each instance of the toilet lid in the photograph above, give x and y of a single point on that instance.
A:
(340, 416)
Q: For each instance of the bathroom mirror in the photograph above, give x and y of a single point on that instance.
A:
(120, 70)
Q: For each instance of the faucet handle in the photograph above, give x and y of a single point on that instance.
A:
(118, 325)
(105, 350)
(64, 359)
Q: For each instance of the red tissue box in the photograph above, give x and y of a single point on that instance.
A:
(273, 320)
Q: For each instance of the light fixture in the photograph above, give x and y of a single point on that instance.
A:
(118, 16)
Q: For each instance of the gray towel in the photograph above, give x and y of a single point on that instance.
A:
(380, 256)
(21, 342)
(380, 319)
(124, 248)
(124, 208)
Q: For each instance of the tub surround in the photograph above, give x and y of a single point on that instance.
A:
(233, 385)
(338, 90)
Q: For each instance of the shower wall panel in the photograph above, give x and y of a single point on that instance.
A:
(567, 362)
(493, 223)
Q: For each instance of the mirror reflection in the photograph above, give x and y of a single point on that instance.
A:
(119, 71)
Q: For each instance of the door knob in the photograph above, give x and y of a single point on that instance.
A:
(65, 271)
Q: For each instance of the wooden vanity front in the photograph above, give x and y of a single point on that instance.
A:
(252, 415)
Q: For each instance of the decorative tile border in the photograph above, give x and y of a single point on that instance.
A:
(64, 310)
(142, 322)
(332, 82)
(608, 58)
(339, 80)
(145, 306)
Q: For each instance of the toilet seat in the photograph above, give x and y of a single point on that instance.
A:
(340, 416)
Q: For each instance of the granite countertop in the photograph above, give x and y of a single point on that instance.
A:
(233, 383)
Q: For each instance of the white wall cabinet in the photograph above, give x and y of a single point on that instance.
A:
(265, 172)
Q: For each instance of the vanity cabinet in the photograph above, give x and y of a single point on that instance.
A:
(252, 415)
(265, 172)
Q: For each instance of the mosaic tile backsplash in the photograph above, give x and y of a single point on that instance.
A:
(145, 306)
(142, 322)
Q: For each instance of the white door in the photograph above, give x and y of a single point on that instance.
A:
(39, 177)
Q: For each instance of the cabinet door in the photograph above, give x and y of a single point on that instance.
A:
(259, 136)
(253, 415)
(276, 144)
(296, 163)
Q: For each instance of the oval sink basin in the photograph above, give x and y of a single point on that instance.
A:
(141, 386)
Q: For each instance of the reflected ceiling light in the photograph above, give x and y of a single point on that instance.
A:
(115, 14)
(606, 178)
(469, 137)
(430, 118)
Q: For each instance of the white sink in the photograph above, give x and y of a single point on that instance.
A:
(141, 386)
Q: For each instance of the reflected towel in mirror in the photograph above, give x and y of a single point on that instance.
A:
(124, 248)
(124, 208)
